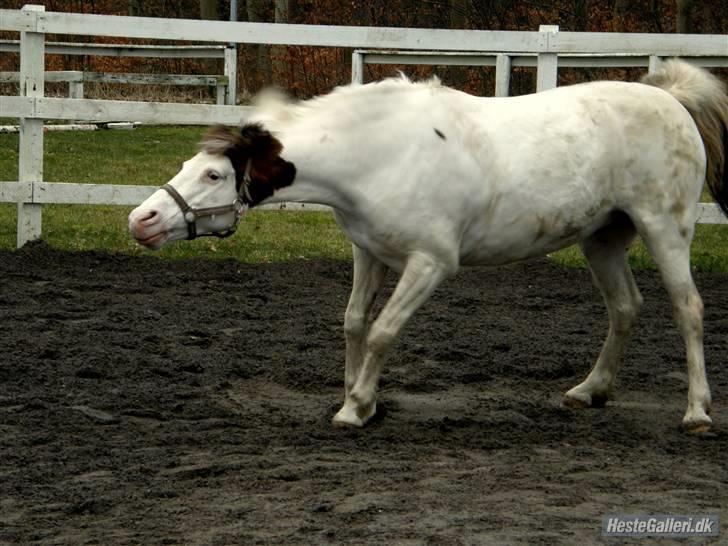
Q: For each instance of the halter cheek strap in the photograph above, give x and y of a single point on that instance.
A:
(187, 211)
(191, 214)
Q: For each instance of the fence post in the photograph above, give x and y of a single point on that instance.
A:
(75, 88)
(502, 75)
(231, 71)
(548, 63)
(30, 152)
(653, 64)
(357, 67)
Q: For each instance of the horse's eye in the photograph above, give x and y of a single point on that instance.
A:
(214, 176)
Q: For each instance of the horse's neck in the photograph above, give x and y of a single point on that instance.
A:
(311, 190)
(321, 177)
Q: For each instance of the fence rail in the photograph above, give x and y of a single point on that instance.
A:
(158, 113)
(123, 50)
(361, 37)
(225, 84)
(547, 50)
(77, 78)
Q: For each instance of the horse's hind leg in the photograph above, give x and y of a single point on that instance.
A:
(669, 244)
(606, 252)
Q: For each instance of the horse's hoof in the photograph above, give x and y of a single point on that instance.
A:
(342, 422)
(349, 417)
(697, 426)
(573, 403)
(580, 400)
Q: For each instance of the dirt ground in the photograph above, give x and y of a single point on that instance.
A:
(151, 402)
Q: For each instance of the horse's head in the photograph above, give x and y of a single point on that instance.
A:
(233, 172)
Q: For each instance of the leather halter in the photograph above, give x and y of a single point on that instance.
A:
(191, 214)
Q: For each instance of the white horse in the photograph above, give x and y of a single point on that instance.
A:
(423, 179)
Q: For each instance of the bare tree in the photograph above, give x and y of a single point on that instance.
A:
(279, 54)
(684, 24)
(208, 10)
(621, 7)
(256, 11)
(581, 15)
(135, 8)
(458, 13)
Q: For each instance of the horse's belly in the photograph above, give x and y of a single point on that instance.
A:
(531, 235)
(499, 253)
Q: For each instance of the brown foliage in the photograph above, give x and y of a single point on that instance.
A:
(306, 71)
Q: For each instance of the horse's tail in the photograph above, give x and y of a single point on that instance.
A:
(704, 96)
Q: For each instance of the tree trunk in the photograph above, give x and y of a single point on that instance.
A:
(208, 10)
(256, 14)
(279, 54)
(620, 14)
(458, 12)
(684, 24)
(581, 15)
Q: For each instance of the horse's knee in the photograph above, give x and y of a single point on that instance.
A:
(380, 339)
(689, 312)
(355, 324)
(693, 306)
(626, 313)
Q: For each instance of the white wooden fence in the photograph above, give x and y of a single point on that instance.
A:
(77, 78)
(224, 83)
(545, 47)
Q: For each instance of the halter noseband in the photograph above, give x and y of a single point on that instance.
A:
(191, 214)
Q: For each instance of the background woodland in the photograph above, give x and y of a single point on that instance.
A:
(306, 71)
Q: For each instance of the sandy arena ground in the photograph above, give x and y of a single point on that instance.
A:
(152, 402)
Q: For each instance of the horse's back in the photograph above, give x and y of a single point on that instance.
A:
(565, 161)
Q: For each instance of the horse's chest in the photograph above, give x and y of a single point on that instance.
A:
(390, 244)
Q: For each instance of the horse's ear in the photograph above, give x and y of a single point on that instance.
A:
(220, 140)
(261, 143)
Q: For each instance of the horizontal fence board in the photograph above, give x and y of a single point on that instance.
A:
(123, 194)
(625, 61)
(68, 193)
(573, 60)
(710, 213)
(665, 45)
(160, 113)
(17, 107)
(144, 112)
(57, 76)
(90, 194)
(155, 79)
(54, 76)
(16, 192)
(125, 50)
(270, 33)
(361, 37)
(295, 207)
(19, 21)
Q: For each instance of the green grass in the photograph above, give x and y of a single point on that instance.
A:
(152, 155)
(263, 236)
(146, 155)
(708, 253)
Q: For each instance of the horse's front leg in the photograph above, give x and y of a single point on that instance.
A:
(421, 276)
(369, 274)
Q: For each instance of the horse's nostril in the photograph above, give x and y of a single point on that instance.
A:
(150, 218)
